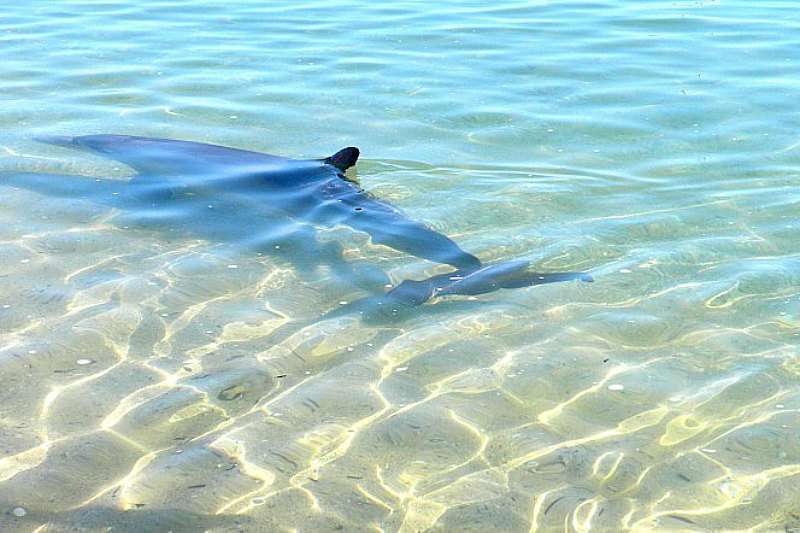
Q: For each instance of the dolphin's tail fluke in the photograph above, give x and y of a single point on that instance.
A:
(488, 278)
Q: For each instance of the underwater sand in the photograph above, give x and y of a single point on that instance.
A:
(655, 144)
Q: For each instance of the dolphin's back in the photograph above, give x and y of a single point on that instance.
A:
(313, 190)
(151, 156)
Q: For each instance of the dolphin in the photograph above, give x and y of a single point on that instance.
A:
(315, 191)
(232, 192)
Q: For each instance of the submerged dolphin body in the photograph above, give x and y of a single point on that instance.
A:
(505, 275)
(410, 293)
(314, 190)
(185, 181)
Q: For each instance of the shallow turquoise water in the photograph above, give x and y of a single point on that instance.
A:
(654, 144)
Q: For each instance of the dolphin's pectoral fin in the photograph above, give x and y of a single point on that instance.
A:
(344, 158)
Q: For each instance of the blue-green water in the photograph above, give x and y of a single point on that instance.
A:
(655, 144)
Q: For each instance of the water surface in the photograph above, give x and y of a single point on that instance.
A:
(655, 144)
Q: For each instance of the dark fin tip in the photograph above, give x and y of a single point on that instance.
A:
(344, 158)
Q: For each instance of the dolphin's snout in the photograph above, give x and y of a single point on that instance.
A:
(58, 140)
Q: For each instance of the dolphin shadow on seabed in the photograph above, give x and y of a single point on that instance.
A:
(273, 205)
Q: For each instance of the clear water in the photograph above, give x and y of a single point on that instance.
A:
(655, 144)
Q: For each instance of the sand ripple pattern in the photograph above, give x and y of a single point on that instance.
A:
(144, 383)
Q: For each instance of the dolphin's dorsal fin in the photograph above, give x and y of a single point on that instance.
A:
(344, 158)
